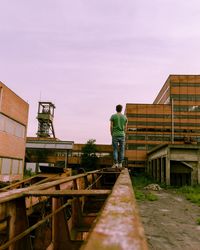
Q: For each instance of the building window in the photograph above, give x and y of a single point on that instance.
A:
(15, 166)
(184, 84)
(6, 166)
(136, 146)
(136, 137)
(11, 127)
(10, 166)
(185, 97)
(186, 108)
(149, 123)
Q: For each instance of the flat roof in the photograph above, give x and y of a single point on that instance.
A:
(50, 144)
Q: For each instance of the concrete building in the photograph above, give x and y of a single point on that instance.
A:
(13, 128)
(54, 152)
(172, 119)
(175, 164)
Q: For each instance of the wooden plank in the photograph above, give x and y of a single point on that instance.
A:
(56, 193)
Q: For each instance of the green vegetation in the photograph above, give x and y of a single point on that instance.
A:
(198, 221)
(139, 195)
(139, 182)
(88, 158)
(192, 193)
(28, 173)
(151, 197)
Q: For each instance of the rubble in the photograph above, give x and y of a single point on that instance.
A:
(154, 187)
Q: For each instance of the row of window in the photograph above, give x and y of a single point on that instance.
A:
(11, 127)
(11, 166)
(185, 108)
(145, 147)
(79, 154)
(162, 138)
(185, 84)
(164, 124)
(185, 97)
(164, 130)
(166, 116)
(149, 137)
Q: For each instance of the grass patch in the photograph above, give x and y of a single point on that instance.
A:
(139, 195)
(151, 197)
(192, 193)
(198, 221)
(28, 173)
(139, 182)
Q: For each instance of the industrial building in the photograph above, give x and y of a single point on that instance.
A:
(13, 128)
(173, 118)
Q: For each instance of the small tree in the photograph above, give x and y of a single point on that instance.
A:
(88, 157)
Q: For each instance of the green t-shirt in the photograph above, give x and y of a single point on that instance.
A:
(119, 122)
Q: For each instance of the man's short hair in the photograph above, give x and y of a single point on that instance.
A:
(119, 108)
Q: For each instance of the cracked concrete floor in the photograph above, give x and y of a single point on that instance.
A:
(170, 222)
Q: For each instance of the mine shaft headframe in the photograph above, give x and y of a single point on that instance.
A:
(45, 119)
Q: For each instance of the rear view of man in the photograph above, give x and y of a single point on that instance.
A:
(118, 124)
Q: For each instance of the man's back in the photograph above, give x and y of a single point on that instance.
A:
(118, 124)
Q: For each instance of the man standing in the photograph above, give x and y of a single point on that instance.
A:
(118, 125)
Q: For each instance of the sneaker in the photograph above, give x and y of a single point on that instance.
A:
(115, 165)
(120, 165)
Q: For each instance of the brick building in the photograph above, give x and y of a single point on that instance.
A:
(13, 127)
(172, 119)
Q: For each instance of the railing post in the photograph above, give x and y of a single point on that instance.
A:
(60, 232)
(18, 223)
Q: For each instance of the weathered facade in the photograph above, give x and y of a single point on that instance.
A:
(175, 165)
(38, 151)
(173, 118)
(13, 127)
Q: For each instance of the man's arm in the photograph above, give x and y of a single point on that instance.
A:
(125, 127)
(111, 127)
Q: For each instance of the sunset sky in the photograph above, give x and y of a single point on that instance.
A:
(87, 56)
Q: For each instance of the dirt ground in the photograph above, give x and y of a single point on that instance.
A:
(170, 222)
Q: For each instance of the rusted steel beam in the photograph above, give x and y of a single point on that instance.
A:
(34, 180)
(30, 229)
(17, 193)
(18, 223)
(118, 227)
(60, 232)
(56, 193)
(94, 181)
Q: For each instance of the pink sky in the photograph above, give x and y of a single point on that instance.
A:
(86, 56)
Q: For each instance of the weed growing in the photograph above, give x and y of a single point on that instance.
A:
(192, 193)
(198, 221)
(139, 182)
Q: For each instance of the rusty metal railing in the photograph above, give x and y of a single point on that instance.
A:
(118, 226)
(68, 208)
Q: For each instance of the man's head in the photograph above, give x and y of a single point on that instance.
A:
(119, 108)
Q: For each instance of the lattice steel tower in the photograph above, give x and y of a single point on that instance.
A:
(45, 119)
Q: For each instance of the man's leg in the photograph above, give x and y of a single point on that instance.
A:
(121, 150)
(115, 149)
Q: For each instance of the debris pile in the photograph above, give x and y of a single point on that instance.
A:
(154, 187)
